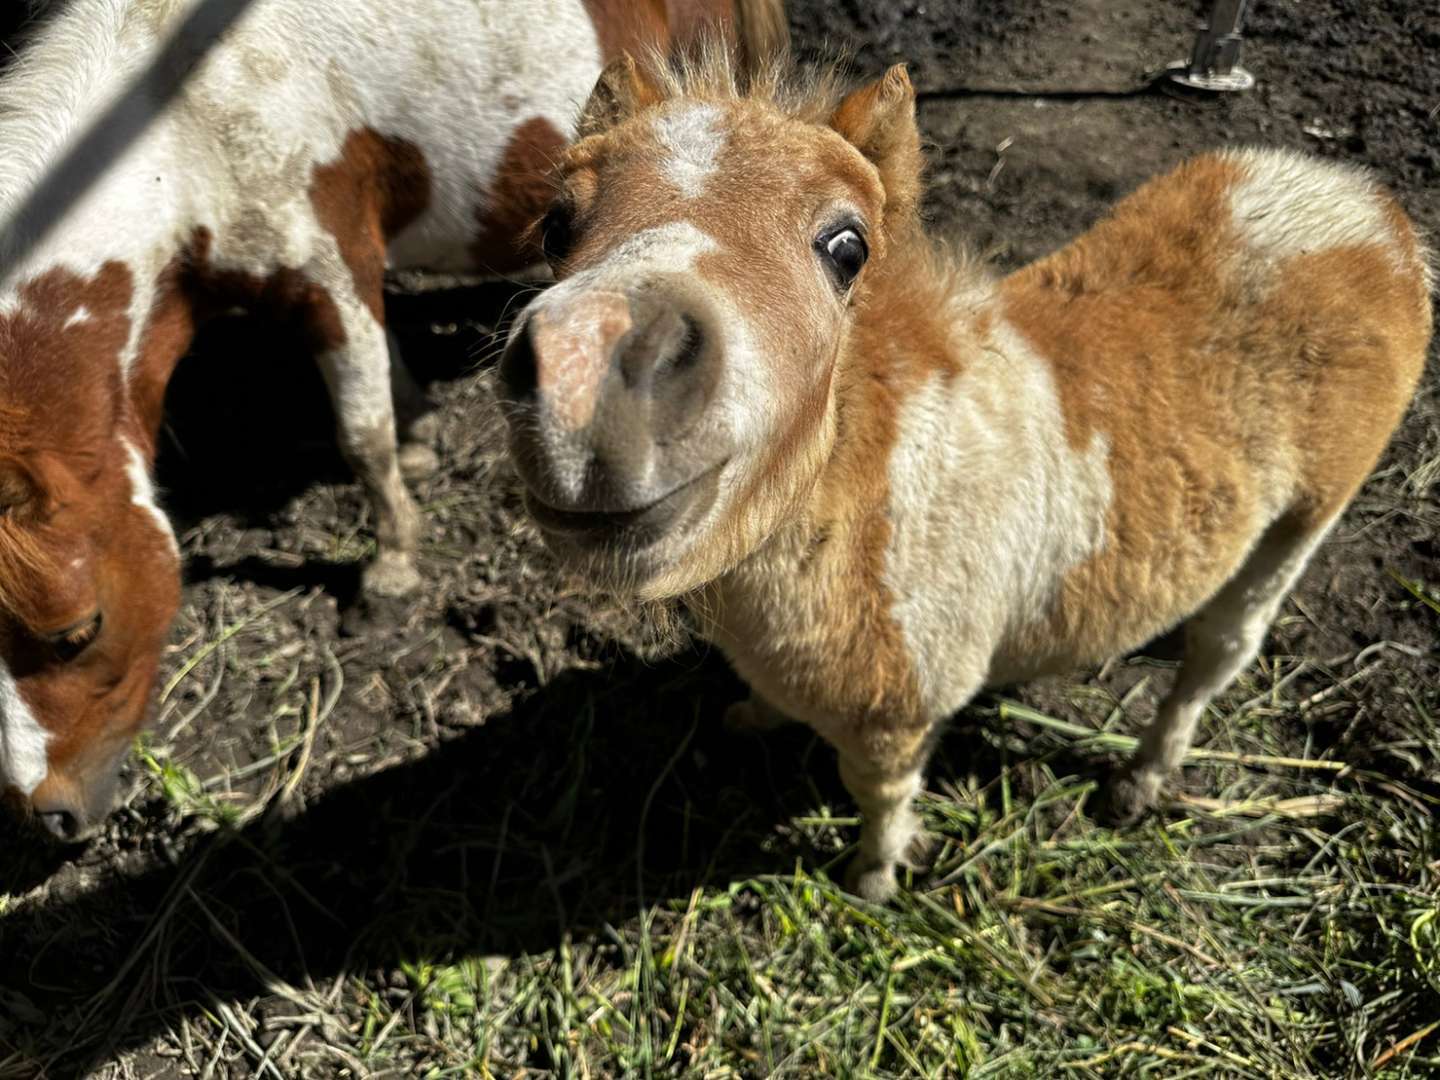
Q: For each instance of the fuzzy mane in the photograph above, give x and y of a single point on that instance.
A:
(714, 71)
(24, 565)
(26, 562)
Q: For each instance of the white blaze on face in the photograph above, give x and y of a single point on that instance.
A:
(143, 492)
(693, 140)
(23, 761)
(664, 249)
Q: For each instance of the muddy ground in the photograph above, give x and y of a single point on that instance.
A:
(504, 714)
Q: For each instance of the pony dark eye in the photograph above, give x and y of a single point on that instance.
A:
(843, 251)
(69, 643)
(557, 233)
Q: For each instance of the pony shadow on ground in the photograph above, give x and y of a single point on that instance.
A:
(248, 423)
(605, 792)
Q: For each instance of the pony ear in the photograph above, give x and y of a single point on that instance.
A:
(621, 91)
(879, 120)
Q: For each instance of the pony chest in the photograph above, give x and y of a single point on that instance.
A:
(815, 636)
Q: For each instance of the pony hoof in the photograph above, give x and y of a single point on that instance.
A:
(391, 575)
(417, 460)
(1128, 796)
(871, 881)
(424, 428)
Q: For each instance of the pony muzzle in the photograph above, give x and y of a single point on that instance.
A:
(607, 394)
(71, 806)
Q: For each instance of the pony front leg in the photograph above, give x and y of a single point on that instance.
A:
(888, 826)
(358, 373)
(883, 771)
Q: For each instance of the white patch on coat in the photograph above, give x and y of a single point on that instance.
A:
(693, 140)
(990, 508)
(142, 492)
(78, 316)
(235, 150)
(1290, 205)
(23, 760)
(672, 248)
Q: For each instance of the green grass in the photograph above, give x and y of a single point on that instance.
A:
(1208, 945)
(1279, 919)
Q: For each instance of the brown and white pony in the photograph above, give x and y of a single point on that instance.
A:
(313, 145)
(884, 480)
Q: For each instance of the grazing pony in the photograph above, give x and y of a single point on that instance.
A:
(286, 163)
(882, 479)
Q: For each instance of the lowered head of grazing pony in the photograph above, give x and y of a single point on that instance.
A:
(672, 400)
(89, 578)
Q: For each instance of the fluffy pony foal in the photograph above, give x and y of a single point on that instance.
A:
(884, 481)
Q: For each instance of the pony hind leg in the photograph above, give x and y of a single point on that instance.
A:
(1221, 639)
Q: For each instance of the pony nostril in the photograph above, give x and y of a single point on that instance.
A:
(687, 352)
(61, 824)
(517, 367)
(683, 352)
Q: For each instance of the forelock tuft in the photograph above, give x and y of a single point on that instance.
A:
(714, 71)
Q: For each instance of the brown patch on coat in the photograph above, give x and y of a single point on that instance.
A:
(517, 198)
(690, 20)
(286, 296)
(633, 26)
(191, 290)
(1215, 376)
(755, 29)
(1357, 330)
(174, 319)
(376, 187)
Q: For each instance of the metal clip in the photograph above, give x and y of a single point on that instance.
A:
(1215, 60)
